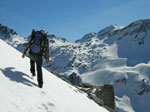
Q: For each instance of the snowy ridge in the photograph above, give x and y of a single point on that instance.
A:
(102, 58)
(87, 37)
(12, 38)
(133, 41)
(104, 32)
(19, 93)
(115, 55)
(130, 83)
(6, 32)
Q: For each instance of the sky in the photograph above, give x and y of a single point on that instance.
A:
(70, 19)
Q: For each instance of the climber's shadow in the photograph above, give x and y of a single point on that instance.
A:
(17, 76)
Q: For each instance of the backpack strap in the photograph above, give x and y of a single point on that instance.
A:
(33, 34)
(44, 43)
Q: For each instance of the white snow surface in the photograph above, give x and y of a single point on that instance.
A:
(131, 82)
(123, 104)
(20, 93)
(115, 55)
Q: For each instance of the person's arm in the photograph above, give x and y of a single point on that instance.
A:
(30, 43)
(47, 51)
(27, 47)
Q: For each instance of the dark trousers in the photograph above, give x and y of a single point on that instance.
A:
(38, 68)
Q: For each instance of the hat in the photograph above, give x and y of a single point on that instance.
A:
(42, 31)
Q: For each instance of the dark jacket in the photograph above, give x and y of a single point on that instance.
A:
(45, 51)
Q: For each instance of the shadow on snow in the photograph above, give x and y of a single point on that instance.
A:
(17, 76)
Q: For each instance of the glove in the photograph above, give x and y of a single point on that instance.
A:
(23, 55)
(47, 60)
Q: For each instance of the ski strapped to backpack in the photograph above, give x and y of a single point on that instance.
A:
(38, 42)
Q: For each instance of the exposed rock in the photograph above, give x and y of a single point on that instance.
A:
(74, 79)
(106, 93)
(144, 87)
(102, 95)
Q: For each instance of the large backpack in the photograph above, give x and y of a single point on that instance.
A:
(38, 43)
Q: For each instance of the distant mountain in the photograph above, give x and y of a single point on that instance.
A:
(128, 39)
(115, 55)
(20, 93)
(6, 32)
(12, 38)
(133, 41)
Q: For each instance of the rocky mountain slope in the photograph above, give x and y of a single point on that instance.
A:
(115, 55)
(20, 93)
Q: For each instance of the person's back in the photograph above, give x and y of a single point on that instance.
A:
(38, 47)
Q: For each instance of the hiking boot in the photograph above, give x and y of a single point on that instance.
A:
(33, 74)
(40, 85)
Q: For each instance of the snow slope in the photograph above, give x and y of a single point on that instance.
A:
(115, 55)
(133, 41)
(131, 84)
(20, 93)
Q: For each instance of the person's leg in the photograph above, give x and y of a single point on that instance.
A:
(32, 67)
(39, 72)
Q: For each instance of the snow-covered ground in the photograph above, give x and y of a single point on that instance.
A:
(115, 55)
(20, 93)
(131, 84)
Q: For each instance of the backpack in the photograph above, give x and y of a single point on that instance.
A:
(38, 43)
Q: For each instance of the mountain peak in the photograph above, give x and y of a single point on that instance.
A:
(87, 37)
(6, 32)
(104, 32)
(109, 28)
(141, 22)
